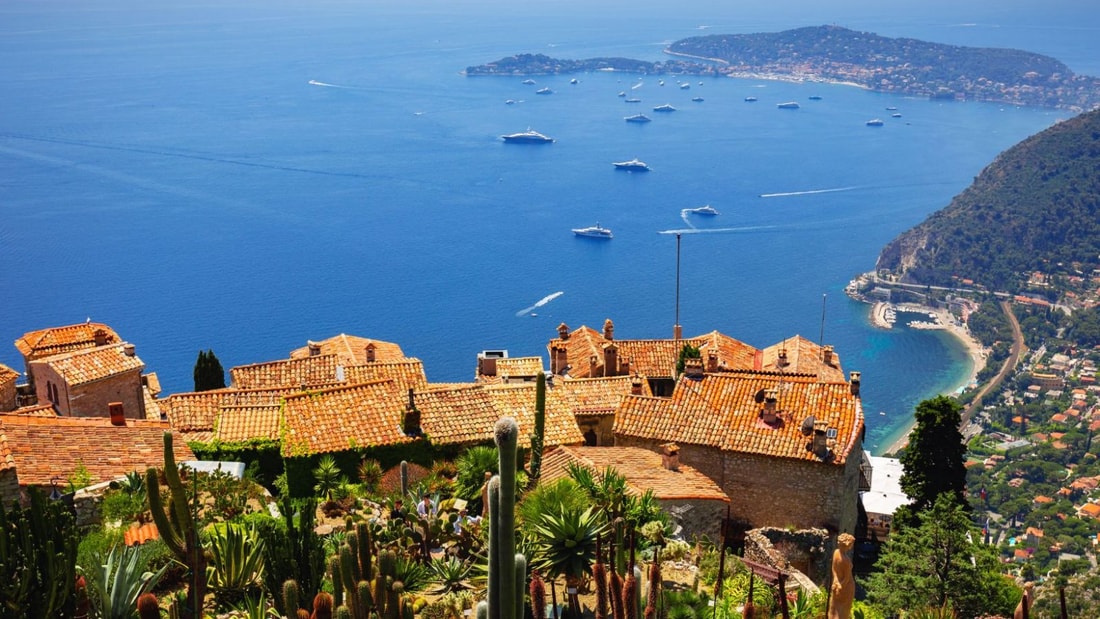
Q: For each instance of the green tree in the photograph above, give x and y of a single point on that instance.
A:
(941, 561)
(208, 372)
(687, 352)
(933, 461)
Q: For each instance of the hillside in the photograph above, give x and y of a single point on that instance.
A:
(1035, 208)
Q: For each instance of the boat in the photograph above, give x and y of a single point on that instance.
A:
(527, 137)
(622, 93)
(891, 108)
(895, 115)
(510, 102)
(815, 97)
(789, 105)
(664, 108)
(528, 81)
(632, 100)
(750, 99)
(697, 99)
(634, 165)
(875, 122)
(637, 118)
(544, 91)
(573, 81)
(595, 232)
(685, 86)
(660, 82)
(704, 210)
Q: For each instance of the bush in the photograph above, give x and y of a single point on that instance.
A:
(95, 547)
(122, 506)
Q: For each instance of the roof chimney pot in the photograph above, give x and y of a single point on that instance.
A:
(128, 349)
(117, 413)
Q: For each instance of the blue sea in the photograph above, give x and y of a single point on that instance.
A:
(246, 175)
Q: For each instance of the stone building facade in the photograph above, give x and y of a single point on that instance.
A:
(8, 399)
(83, 383)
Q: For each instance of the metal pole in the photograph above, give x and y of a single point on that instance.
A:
(677, 323)
(821, 336)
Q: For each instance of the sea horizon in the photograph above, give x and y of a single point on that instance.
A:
(248, 177)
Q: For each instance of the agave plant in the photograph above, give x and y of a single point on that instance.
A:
(236, 564)
(413, 574)
(451, 575)
(116, 585)
(565, 541)
(328, 477)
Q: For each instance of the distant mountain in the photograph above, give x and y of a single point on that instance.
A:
(1035, 208)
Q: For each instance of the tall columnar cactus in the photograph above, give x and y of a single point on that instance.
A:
(538, 595)
(504, 603)
(538, 438)
(653, 599)
(37, 560)
(177, 527)
(404, 478)
(148, 607)
(599, 574)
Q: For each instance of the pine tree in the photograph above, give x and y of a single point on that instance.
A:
(934, 461)
(208, 373)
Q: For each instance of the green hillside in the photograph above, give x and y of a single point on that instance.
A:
(1035, 208)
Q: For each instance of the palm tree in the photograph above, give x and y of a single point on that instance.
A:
(328, 477)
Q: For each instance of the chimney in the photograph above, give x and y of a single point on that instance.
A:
(712, 361)
(677, 332)
(670, 456)
(410, 423)
(118, 416)
(610, 360)
(370, 353)
(820, 444)
(827, 355)
(771, 401)
(624, 367)
(314, 348)
(563, 332)
(100, 337)
(608, 330)
(559, 358)
(782, 361)
(592, 365)
(486, 366)
(128, 349)
(693, 368)
(855, 380)
(636, 385)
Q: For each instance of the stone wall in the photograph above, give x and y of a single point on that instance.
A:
(7, 394)
(9, 486)
(777, 492)
(807, 550)
(91, 399)
(697, 517)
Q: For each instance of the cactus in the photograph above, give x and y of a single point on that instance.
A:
(538, 595)
(342, 612)
(322, 606)
(503, 587)
(292, 593)
(538, 437)
(176, 525)
(37, 560)
(599, 574)
(296, 554)
(404, 478)
(334, 577)
(654, 586)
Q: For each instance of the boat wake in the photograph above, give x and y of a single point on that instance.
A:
(636, 86)
(543, 301)
(805, 193)
(717, 230)
(327, 85)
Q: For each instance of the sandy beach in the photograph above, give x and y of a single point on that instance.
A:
(946, 321)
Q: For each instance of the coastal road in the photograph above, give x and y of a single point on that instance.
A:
(1009, 365)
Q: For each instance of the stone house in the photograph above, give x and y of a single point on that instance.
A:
(47, 451)
(8, 378)
(83, 382)
(696, 503)
(60, 340)
(351, 350)
(786, 447)
(595, 400)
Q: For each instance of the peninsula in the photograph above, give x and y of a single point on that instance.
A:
(840, 55)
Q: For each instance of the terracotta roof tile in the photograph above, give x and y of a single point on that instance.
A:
(85, 366)
(514, 367)
(152, 405)
(243, 423)
(518, 401)
(198, 410)
(152, 381)
(641, 468)
(803, 357)
(43, 448)
(58, 340)
(38, 410)
(723, 411)
(8, 375)
(306, 371)
(340, 418)
(351, 349)
(141, 533)
(596, 396)
(457, 415)
(406, 373)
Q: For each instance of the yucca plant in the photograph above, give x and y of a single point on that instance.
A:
(116, 585)
(328, 477)
(412, 573)
(450, 575)
(236, 563)
(565, 542)
(256, 607)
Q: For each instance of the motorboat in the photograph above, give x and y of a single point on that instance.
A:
(697, 99)
(527, 137)
(895, 115)
(789, 105)
(632, 100)
(634, 165)
(875, 122)
(528, 81)
(704, 210)
(664, 108)
(637, 118)
(544, 91)
(815, 97)
(750, 99)
(593, 232)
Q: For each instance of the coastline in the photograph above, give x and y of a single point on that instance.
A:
(974, 350)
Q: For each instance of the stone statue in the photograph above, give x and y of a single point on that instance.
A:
(1025, 602)
(843, 590)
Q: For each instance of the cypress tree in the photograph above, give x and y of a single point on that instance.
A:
(208, 373)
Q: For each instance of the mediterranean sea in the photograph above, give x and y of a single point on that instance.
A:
(245, 176)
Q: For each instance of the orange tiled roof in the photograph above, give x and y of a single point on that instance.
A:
(1090, 509)
(513, 367)
(596, 396)
(7, 374)
(518, 401)
(38, 410)
(89, 365)
(641, 468)
(407, 373)
(152, 382)
(152, 405)
(723, 411)
(242, 423)
(43, 448)
(352, 350)
(341, 418)
(306, 371)
(803, 357)
(57, 340)
(457, 415)
(198, 410)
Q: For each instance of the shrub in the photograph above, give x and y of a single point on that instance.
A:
(122, 507)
